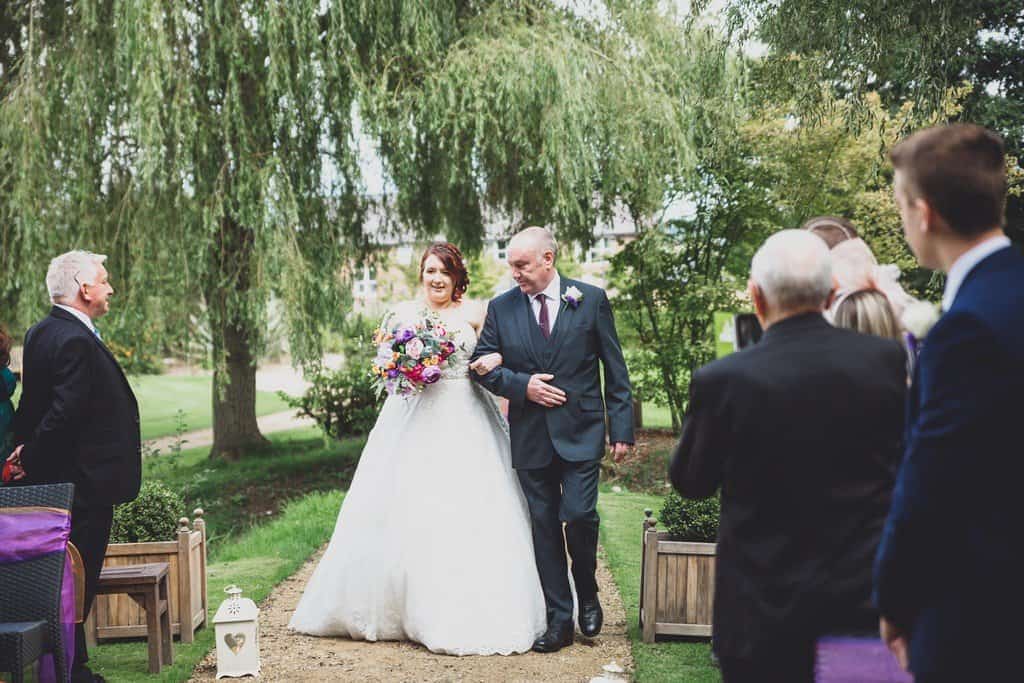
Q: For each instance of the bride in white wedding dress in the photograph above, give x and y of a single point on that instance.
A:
(433, 541)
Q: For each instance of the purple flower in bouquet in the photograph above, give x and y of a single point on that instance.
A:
(383, 354)
(431, 374)
(404, 334)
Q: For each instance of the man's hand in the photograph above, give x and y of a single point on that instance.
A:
(896, 640)
(619, 451)
(484, 364)
(16, 470)
(542, 393)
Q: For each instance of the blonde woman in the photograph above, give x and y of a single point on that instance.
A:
(867, 311)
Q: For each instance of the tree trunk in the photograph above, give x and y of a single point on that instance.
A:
(234, 398)
(234, 377)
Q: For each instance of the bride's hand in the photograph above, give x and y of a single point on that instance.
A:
(484, 364)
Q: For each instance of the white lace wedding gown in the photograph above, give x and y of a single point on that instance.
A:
(433, 541)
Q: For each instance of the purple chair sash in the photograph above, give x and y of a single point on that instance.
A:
(849, 659)
(31, 532)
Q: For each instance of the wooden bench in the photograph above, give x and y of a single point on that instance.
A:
(147, 585)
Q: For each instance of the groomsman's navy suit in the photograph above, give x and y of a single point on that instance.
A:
(557, 451)
(949, 568)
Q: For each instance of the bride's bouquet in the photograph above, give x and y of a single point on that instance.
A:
(410, 356)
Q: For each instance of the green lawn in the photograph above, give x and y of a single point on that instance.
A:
(622, 517)
(265, 515)
(272, 509)
(162, 396)
(255, 561)
(236, 495)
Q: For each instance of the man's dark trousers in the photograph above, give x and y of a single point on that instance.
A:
(564, 492)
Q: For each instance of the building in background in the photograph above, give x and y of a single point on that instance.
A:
(390, 273)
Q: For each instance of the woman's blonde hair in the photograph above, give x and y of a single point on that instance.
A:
(867, 311)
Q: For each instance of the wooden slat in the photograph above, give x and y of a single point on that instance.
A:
(663, 581)
(650, 592)
(149, 548)
(133, 631)
(181, 584)
(692, 594)
(685, 548)
(682, 587)
(700, 630)
(706, 589)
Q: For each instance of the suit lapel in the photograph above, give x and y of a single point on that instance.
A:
(565, 313)
(525, 324)
(563, 323)
(64, 315)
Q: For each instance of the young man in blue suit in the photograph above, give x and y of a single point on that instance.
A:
(948, 580)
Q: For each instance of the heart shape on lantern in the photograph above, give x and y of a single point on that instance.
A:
(235, 641)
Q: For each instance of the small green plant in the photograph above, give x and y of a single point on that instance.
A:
(153, 516)
(343, 402)
(691, 520)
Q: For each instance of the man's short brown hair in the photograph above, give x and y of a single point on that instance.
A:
(960, 170)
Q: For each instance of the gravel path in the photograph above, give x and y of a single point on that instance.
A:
(287, 656)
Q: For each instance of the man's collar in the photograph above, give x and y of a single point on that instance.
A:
(554, 289)
(966, 263)
(86, 320)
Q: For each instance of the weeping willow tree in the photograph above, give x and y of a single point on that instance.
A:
(210, 147)
(206, 148)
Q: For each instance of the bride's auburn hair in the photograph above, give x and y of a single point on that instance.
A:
(451, 257)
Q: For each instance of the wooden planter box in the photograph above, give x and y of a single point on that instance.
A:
(118, 616)
(677, 585)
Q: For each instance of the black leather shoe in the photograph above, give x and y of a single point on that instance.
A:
(554, 639)
(591, 617)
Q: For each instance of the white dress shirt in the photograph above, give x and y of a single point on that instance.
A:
(86, 320)
(966, 263)
(552, 293)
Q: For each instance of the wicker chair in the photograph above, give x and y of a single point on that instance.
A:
(31, 591)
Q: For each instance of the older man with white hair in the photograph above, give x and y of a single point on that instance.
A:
(78, 420)
(555, 335)
(802, 433)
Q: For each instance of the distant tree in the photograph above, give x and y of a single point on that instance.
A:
(906, 52)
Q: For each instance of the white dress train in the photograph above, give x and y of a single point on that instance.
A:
(433, 541)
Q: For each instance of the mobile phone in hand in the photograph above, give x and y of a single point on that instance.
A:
(748, 330)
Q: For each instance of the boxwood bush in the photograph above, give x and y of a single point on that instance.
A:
(153, 516)
(690, 520)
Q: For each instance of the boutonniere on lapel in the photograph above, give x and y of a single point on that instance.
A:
(572, 297)
(918, 319)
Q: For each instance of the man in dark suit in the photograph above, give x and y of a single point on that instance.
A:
(947, 577)
(552, 333)
(78, 420)
(802, 434)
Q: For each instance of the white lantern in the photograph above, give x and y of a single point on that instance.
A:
(236, 625)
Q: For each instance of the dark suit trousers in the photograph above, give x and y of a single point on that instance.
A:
(793, 665)
(564, 492)
(90, 532)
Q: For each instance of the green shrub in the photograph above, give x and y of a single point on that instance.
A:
(132, 336)
(691, 520)
(343, 402)
(153, 516)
